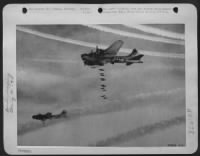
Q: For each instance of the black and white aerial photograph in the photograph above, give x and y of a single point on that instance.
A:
(101, 85)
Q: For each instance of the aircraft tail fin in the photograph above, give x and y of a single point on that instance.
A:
(134, 52)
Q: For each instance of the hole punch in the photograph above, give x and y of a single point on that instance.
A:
(175, 9)
(24, 10)
(100, 10)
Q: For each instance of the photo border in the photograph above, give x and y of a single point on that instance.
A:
(192, 47)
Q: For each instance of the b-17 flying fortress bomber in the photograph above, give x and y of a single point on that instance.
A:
(101, 57)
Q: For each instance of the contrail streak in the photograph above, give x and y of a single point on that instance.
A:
(136, 35)
(93, 45)
(157, 31)
(157, 93)
(139, 132)
(52, 60)
(98, 109)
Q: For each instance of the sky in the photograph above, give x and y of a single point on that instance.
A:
(51, 75)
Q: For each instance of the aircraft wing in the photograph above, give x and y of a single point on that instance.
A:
(114, 48)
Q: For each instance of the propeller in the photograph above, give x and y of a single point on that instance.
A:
(97, 49)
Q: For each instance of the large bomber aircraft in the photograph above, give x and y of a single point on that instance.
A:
(103, 56)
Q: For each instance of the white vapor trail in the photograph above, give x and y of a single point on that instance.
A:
(136, 35)
(53, 60)
(157, 93)
(93, 45)
(140, 131)
(157, 31)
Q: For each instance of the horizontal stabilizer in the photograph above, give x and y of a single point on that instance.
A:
(129, 63)
(138, 57)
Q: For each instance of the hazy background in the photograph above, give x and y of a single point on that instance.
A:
(145, 105)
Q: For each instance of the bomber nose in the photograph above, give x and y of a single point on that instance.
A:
(83, 56)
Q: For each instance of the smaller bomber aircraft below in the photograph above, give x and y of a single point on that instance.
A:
(50, 116)
(103, 56)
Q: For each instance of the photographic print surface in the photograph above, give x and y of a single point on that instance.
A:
(101, 85)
